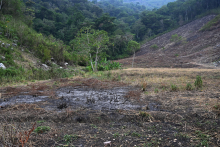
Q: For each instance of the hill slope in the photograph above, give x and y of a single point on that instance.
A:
(194, 49)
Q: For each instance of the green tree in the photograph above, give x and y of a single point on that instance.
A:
(133, 46)
(92, 43)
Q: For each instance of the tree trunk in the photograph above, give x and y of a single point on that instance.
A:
(91, 62)
(1, 5)
(133, 60)
(96, 58)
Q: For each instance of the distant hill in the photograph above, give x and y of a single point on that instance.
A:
(184, 47)
(150, 4)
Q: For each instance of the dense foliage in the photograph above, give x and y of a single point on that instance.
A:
(60, 22)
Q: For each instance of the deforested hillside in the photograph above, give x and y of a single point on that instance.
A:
(186, 46)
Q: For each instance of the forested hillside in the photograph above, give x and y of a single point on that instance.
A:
(64, 28)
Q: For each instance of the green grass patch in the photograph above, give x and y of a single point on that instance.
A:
(211, 23)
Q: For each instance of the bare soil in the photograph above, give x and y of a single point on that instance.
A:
(85, 112)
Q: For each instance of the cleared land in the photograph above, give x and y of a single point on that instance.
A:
(157, 109)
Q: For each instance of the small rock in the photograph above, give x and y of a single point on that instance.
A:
(2, 66)
(45, 66)
(0, 33)
(61, 67)
(65, 63)
(7, 45)
(14, 44)
(3, 58)
(174, 140)
(15, 41)
(107, 143)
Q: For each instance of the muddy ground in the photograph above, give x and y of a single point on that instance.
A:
(86, 112)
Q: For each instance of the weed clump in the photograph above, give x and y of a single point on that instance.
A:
(174, 87)
(189, 87)
(198, 82)
(154, 46)
(156, 90)
(144, 114)
(42, 129)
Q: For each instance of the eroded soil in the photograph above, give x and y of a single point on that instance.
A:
(85, 112)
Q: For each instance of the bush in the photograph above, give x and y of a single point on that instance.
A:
(198, 82)
(174, 88)
(154, 46)
(42, 129)
(189, 86)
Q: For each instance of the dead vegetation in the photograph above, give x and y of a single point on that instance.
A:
(164, 118)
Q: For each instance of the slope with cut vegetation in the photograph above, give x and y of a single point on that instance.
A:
(187, 46)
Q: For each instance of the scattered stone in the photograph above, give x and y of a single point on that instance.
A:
(12, 49)
(3, 58)
(2, 66)
(61, 67)
(3, 44)
(174, 140)
(0, 33)
(107, 143)
(22, 50)
(65, 63)
(6, 35)
(15, 41)
(7, 45)
(45, 66)
(52, 59)
(14, 44)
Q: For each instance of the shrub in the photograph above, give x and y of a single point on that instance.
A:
(174, 88)
(198, 82)
(154, 46)
(189, 86)
(42, 129)
(156, 90)
(144, 114)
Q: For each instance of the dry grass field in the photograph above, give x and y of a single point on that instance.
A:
(139, 107)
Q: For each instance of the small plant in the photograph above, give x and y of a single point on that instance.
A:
(68, 138)
(40, 121)
(144, 114)
(177, 55)
(156, 90)
(217, 106)
(42, 129)
(116, 135)
(174, 87)
(109, 74)
(154, 46)
(23, 137)
(189, 86)
(198, 82)
(135, 134)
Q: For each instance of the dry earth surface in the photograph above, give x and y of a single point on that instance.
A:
(197, 49)
(130, 107)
